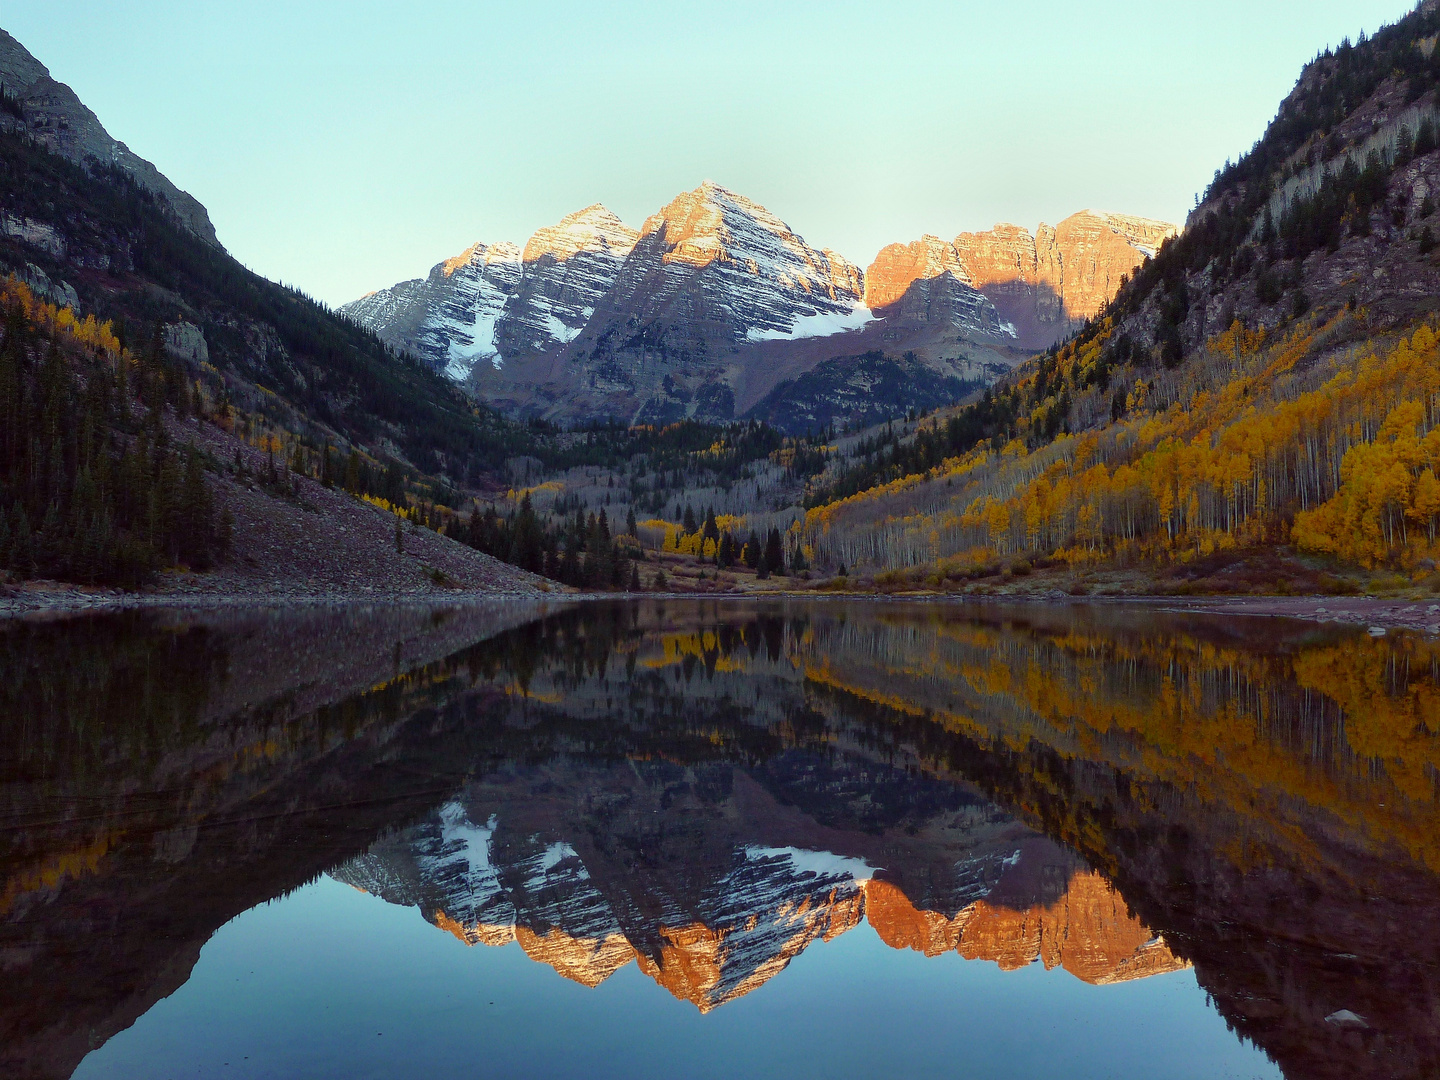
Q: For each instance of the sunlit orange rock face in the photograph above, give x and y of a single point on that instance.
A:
(594, 229)
(1088, 931)
(1044, 284)
(585, 960)
(926, 283)
(1049, 283)
(713, 224)
(692, 961)
(899, 266)
(477, 934)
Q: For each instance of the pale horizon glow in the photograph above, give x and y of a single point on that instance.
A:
(344, 147)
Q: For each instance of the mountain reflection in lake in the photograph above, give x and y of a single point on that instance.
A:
(1072, 841)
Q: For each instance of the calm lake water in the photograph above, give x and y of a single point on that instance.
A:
(676, 839)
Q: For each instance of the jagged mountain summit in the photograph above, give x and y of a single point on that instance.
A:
(713, 277)
(713, 913)
(595, 318)
(717, 309)
(498, 302)
(715, 269)
(55, 117)
(1044, 286)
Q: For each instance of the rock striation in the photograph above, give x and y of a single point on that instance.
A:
(566, 270)
(715, 302)
(713, 270)
(1047, 284)
(498, 302)
(712, 275)
(713, 912)
(927, 283)
(449, 319)
(54, 116)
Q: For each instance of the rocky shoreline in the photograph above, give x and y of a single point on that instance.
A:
(1377, 614)
(192, 591)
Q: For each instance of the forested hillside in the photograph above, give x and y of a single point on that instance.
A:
(266, 347)
(1267, 383)
(93, 488)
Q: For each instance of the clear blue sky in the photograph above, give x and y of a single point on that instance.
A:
(343, 146)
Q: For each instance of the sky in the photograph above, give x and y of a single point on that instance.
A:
(341, 147)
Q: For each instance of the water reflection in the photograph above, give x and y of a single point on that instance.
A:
(705, 790)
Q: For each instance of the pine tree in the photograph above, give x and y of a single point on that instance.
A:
(752, 552)
(774, 560)
(526, 551)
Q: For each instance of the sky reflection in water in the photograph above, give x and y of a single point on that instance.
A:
(351, 986)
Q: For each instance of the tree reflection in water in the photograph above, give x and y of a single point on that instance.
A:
(704, 789)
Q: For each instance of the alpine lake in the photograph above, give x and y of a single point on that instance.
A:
(707, 839)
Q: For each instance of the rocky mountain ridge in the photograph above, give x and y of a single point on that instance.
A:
(498, 302)
(51, 113)
(1042, 286)
(715, 307)
(86, 224)
(715, 917)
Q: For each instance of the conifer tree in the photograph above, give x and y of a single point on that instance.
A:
(752, 552)
(774, 558)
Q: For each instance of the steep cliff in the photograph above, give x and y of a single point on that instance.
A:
(927, 283)
(57, 119)
(1033, 289)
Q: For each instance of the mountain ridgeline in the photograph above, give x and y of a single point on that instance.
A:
(715, 309)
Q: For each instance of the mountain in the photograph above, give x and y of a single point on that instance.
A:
(1042, 287)
(153, 345)
(711, 275)
(718, 309)
(499, 303)
(593, 319)
(1048, 284)
(51, 114)
(110, 234)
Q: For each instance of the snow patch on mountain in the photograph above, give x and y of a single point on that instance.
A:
(822, 864)
(820, 324)
(496, 301)
(544, 864)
